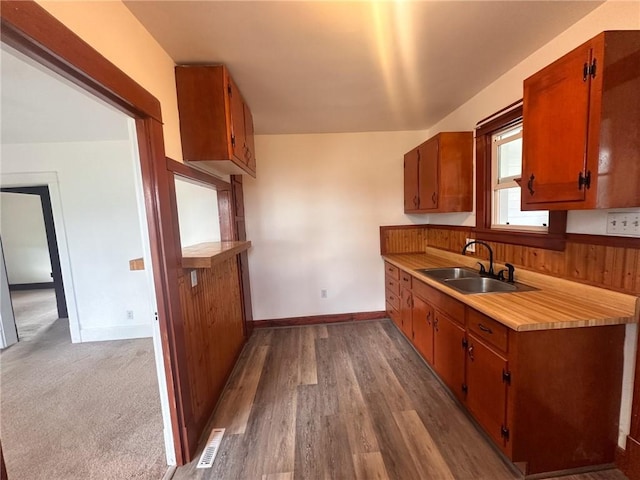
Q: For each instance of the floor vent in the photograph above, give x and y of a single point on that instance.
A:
(211, 449)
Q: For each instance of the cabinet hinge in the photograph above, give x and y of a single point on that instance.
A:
(233, 140)
(506, 377)
(229, 90)
(584, 180)
(504, 432)
(418, 155)
(589, 70)
(592, 69)
(465, 388)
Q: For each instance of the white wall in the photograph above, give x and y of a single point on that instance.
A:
(197, 212)
(313, 216)
(24, 238)
(100, 220)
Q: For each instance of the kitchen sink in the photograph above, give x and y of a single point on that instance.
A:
(480, 285)
(467, 281)
(449, 273)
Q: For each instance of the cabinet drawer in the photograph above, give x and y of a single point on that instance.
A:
(487, 329)
(452, 307)
(392, 299)
(392, 285)
(392, 270)
(394, 314)
(405, 280)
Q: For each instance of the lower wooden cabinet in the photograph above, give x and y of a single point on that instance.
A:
(449, 352)
(422, 318)
(549, 399)
(486, 389)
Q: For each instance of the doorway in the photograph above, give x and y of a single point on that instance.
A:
(92, 189)
(37, 300)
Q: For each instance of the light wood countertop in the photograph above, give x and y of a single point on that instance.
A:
(208, 254)
(558, 303)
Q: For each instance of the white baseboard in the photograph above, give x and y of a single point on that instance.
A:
(118, 332)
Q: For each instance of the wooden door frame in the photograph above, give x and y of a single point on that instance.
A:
(30, 29)
(52, 240)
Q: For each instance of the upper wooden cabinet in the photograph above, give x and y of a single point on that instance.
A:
(438, 174)
(581, 135)
(216, 124)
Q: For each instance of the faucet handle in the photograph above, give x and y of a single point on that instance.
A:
(510, 268)
(482, 269)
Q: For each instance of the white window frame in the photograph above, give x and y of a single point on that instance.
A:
(498, 184)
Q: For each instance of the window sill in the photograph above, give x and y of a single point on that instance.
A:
(548, 241)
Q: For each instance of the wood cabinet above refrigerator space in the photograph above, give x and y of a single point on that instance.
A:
(216, 124)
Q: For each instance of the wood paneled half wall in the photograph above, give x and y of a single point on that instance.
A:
(214, 337)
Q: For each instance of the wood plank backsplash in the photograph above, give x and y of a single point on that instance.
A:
(610, 266)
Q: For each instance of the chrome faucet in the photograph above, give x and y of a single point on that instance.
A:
(483, 271)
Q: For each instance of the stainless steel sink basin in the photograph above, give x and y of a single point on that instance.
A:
(480, 285)
(467, 281)
(449, 273)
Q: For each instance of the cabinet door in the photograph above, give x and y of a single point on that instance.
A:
(422, 319)
(555, 119)
(250, 150)
(237, 121)
(428, 175)
(406, 307)
(486, 390)
(449, 352)
(411, 194)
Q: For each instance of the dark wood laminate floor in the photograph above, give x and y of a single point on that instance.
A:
(345, 401)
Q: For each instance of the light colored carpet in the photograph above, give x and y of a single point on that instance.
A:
(80, 411)
(34, 310)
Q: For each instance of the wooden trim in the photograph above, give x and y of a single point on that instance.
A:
(225, 210)
(320, 319)
(628, 460)
(3, 467)
(209, 254)
(611, 241)
(31, 286)
(536, 240)
(184, 170)
(484, 121)
(30, 29)
(165, 260)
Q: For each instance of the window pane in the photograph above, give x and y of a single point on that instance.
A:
(508, 210)
(510, 159)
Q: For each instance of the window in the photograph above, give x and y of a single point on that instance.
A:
(506, 167)
(498, 170)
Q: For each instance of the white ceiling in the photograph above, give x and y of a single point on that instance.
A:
(38, 106)
(327, 66)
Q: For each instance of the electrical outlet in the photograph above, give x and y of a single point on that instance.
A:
(194, 278)
(471, 248)
(623, 223)
(323, 293)
(129, 314)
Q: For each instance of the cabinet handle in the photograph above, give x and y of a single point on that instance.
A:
(434, 198)
(435, 323)
(530, 185)
(470, 352)
(429, 317)
(484, 329)
(416, 201)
